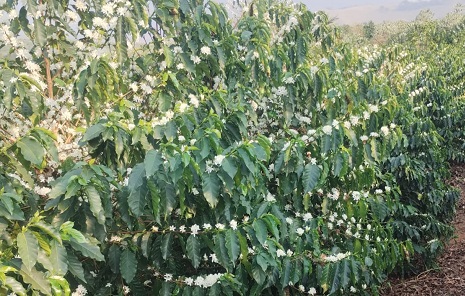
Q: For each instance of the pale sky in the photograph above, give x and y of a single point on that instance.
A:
(360, 11)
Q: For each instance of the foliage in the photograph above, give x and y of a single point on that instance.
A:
(163, 147)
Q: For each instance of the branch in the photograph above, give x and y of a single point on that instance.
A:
(49, 75)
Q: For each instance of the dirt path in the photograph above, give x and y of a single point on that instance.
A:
(449, 280)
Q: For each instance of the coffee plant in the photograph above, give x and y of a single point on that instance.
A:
(175, 147)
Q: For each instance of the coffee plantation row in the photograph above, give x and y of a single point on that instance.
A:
(192, 148)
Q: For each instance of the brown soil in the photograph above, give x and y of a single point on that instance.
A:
(449, 278)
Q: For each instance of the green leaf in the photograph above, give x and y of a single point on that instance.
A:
(87, 249)
(121, 41)
(30, 80)
(95, 204)
(193, 250)
(48, 229)
(128, 265)
(36, 279)
(33, 277)
(58, 258)
(40, 32)
(60, 285)
(310, 177)
(31, 150)
(119, 144)
(15, 286)
(75, 267)
(232, 244)
(211, 188)
(28, 248)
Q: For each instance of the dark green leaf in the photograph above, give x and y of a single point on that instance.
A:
(166, 245)
(136, 199)
(211, 188)
(232, 244)
(93, 132)
(128, 265)
(152, 162)
(95, 204)
(229, 167)
(75, 267)
(193, 250)
(310, 177)
(260, 231)
(87, 249)
(114, 256)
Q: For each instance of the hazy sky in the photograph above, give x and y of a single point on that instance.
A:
(359, 11)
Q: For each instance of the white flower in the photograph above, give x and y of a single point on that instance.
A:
(312, 291)
(207, 226)
(168, 277)
(214, 258)
(385, 130)
(115, 239)
(218, 159)
(327, 129)
(233, 224)
(364, 138)
(80, 291)
(270, 197)
(108, 285)
(280, 253)
(307, 216)
(289, 221)
(195, 229)
(300, 231)
(219, 226)
(373, 108)
(180, 66)
(205, 50)
(195, 59)
(42, 191)
(193, 100)
(189, 281)
(81, 5)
